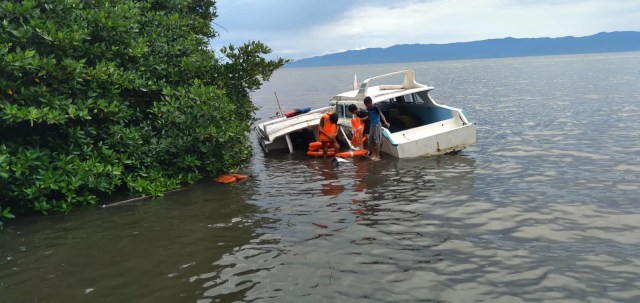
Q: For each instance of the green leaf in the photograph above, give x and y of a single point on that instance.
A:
(6, 213)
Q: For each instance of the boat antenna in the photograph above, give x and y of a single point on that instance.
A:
(355, 82)
(279, 106)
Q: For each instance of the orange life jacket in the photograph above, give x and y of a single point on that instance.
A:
(356, 123)
(329, 128)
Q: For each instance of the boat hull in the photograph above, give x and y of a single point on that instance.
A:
(429, 140)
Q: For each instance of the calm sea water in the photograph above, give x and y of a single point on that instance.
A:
(544, 207)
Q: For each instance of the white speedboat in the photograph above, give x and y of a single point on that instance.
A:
(419, 125)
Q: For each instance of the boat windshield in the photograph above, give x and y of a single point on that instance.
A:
(407, 99)
(340, 110)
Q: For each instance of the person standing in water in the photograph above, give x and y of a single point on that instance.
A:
(328, 131)
(375, 133)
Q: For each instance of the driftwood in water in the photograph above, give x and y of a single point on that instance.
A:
(125, 202)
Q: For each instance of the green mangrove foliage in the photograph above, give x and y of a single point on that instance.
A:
(98, 96)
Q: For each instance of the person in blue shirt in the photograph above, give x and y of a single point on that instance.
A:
(375, 132)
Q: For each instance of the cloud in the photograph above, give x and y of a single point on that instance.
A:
(298, 29)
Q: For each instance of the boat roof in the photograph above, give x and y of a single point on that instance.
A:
(384, 92)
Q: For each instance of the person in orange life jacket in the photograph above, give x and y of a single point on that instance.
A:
(364, 118)
(328, 131)
(375, 133)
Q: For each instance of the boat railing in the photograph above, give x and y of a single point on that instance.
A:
(303, 116)
(408, 82)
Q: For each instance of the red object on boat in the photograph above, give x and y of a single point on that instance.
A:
(290, 114)
(297, 111)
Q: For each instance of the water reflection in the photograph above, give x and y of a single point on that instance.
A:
(376, 219)
(329, 174)
(108, 254)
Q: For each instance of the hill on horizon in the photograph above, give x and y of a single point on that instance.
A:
(604, 42)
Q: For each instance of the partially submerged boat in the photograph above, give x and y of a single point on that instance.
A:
(418, 125)
(277, 133)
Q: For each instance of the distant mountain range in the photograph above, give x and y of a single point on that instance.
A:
(493, 48)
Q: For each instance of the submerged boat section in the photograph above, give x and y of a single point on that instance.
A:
(276, 133)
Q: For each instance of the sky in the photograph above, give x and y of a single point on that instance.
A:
(297, 29)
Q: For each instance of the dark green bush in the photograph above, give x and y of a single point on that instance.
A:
(98, 96)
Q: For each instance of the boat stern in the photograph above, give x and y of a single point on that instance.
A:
(434, 139)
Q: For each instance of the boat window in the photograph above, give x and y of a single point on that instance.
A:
(416, 98)
(422, 97)
(409, 99)
(340, 110)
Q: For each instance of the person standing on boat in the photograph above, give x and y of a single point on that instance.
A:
(363, 131)
(328, 131)
(375, 133)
